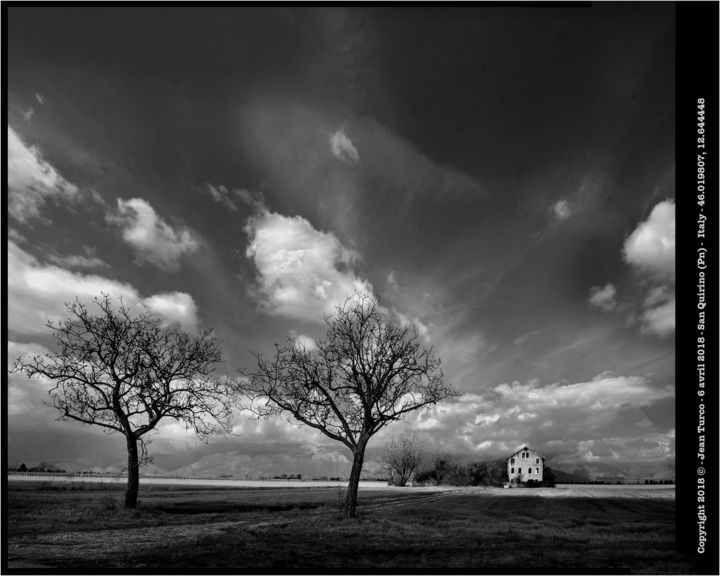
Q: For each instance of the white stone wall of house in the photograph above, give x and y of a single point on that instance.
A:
(524, 465)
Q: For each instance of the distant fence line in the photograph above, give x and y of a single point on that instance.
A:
(108, 475)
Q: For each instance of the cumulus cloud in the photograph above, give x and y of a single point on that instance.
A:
(24, 349)
(659, 312)
(303, 273)
(342, 147)
(651, 246)
(32, 181)
(630, 452)
(304, 342)
(37, 293)
(173, 306)
(26, 395)
(603, 393)
(561, 210)
(650, 249)
(603, 297)
(152, 239)
(494, 422)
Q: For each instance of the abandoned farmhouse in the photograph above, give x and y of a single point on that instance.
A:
(524, 465)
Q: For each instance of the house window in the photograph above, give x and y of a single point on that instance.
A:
(537, 460)
(512, 470)
(537, 470)
(529, 470)
(512, 460)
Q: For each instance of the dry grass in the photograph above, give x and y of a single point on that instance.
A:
(241, 530)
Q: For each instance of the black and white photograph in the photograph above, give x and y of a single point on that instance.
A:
(366, 289)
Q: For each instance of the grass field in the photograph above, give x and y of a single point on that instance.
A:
(576, 530)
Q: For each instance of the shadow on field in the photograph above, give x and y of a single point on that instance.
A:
(299, 530)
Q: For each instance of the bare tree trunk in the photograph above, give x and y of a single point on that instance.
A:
(133, 485)
(352, 489)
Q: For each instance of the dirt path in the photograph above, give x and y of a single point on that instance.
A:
(414, 499)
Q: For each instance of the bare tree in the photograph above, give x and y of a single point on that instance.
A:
(402, 458)
(125, 372)
(442, 465)
(366, 372)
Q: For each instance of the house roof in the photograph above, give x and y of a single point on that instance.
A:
(523, 449)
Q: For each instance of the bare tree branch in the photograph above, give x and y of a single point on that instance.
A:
(125, 372)
(402, 457)
(366, 372)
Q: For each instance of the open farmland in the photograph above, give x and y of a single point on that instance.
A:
(607, 529)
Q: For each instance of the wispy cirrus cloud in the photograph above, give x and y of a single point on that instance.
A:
(300, 146)
(221, 195)
(227, 197)
(81, 261)
(152, 239)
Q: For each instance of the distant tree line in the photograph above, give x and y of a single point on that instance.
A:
(329, 478)
(42, 467)
(443, 471)
(616, 482)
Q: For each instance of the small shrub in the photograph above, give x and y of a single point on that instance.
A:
(492, 473)
(425, 476)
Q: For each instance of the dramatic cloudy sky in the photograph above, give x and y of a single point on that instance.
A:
(502, 177)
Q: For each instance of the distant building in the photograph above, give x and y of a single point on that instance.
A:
(524, 465)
